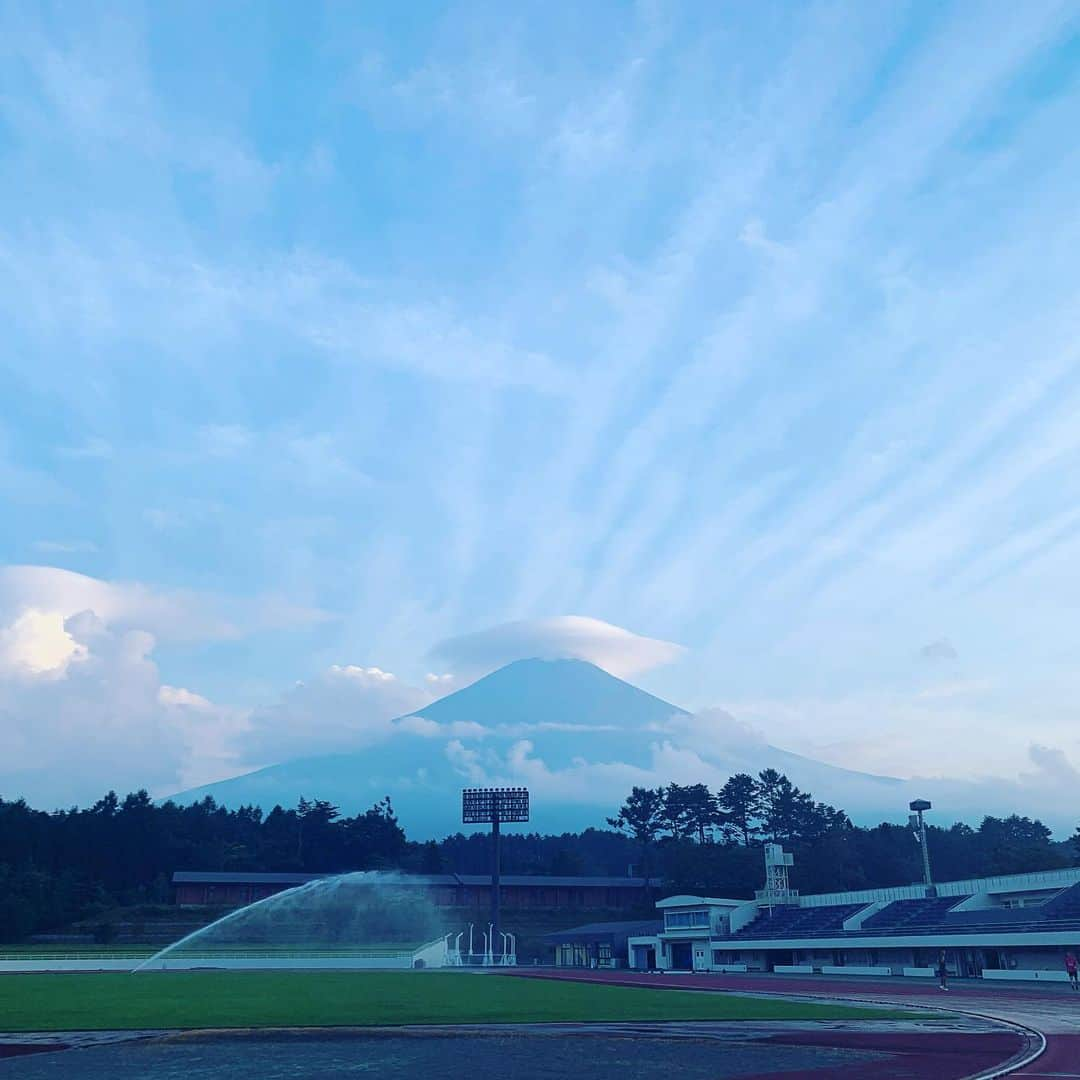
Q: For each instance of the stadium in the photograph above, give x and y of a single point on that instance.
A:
(1013, 927)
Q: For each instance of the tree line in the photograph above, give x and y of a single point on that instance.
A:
(706, 842)
(745, 809)
(67, 865)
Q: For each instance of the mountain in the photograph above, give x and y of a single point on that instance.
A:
(578, 737)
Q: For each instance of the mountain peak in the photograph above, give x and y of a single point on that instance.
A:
(540, 691)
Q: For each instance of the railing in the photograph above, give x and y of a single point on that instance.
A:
(102, 954)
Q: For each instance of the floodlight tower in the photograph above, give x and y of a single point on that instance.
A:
(918, 827)
(494, 805)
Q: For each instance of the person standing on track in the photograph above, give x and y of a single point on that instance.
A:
(942, 971)
(1071, 969)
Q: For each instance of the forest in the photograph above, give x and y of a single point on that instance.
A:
(59, 866)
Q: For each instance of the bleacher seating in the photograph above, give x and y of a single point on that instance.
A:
(799, 922)
(924, 915)
(1066, 905)
(910, 916)
(993, 916)
(933, 915)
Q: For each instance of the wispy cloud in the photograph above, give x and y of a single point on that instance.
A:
(763, 344)
(66, 547)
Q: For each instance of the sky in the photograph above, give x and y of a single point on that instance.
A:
(350, 351)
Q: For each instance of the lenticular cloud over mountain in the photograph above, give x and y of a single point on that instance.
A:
(619, 652)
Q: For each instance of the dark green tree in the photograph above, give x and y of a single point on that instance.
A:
(739, 803)
(642, 817)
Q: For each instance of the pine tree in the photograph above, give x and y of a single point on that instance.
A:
(739, 802)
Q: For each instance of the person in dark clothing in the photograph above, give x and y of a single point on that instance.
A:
(942, 971)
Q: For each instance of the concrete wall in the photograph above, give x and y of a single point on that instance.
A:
(856, 969)
(101, 964)
(1004, 883)
(1028, 976)
(743, 915)
(855, 921)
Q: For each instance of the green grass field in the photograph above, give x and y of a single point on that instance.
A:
(217, 999)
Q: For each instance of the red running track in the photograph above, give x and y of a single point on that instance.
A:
(1050, 1009)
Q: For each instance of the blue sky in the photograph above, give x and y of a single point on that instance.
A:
(334, 332)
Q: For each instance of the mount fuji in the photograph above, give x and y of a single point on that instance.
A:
(578, 737)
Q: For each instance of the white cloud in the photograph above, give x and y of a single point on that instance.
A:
(441, 683)
(82, 705)
(37, 643)
(316, 304)
(169, 614)
(577, 637)
(346, 707)
(1040, 792)
(1051, 764)
(708, 729)
(84, 710)
(431, 729)
(466, 762)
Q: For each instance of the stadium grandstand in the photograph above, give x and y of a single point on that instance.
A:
(1017, 927)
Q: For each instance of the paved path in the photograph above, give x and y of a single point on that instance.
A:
(726, 1050)
(1052, 1009)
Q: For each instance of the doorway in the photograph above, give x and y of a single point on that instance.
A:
(682, 958)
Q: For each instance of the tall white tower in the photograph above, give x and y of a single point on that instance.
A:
(777, 888)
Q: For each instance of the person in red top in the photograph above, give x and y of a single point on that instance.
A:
(1071, 970)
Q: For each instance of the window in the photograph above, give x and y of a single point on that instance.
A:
(685, 920)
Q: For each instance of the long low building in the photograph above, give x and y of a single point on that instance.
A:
(598, 945)
(1014, 926)
(232, 889)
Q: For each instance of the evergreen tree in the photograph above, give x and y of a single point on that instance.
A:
(642, 816)
(739, 803)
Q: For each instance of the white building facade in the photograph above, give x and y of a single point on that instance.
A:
(1017, 926)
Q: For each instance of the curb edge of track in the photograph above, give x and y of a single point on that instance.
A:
(1007, 1068)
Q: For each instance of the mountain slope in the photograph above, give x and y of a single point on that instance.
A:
(577, 736)
(551, 691)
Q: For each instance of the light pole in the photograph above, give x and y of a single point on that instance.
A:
(918, 827)
(494, 806)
